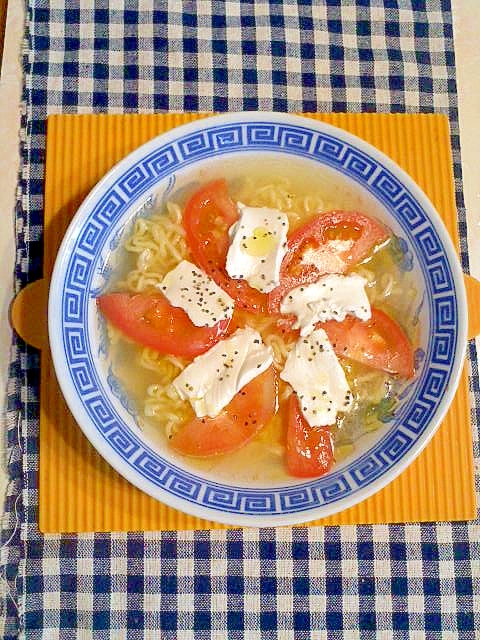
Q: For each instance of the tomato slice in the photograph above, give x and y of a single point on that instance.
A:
(208, 215)
(152, 321)
(248, 412)
(332, 242)
(309, 451)
(379, 342)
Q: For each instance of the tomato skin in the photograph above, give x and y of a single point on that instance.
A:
(152, 321)
(309, 451)
(207, 217)
(360, 232)
(364, 232)
(246, 414)
(379, 342)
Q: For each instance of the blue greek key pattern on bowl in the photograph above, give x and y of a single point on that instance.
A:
(211, 141)
(109, 205)
(387, 187)
(183, 486)
(333, 488)
(440, 275)
(101, 414)
(328, 149)
(279, 136)
(135, 179)
(434, 385)
(443, 348)
(122, 442)
(75, 341)
(336, 487)
(74, 305)
(226, 139)
(371, 466)
(409, 211)
(146, 172)
(203, 142)
(226, 499)
(82, 377)
(79, 273)
(430, 244)
(419, 414)
(151, 467)
(359, 165)
(298, 498)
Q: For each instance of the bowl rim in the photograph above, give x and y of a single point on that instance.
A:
(119, 463)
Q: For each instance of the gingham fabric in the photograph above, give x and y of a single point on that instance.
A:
(414, 581)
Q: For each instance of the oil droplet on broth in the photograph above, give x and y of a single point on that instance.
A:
(260, 243)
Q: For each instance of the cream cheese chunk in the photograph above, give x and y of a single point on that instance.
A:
(332, 297)
(258, 246)
(191, 289)
(317, 377)
(213, 378)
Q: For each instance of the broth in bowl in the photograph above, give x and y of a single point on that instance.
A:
(314, 290)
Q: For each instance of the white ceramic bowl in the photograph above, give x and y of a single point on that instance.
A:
(163, 165)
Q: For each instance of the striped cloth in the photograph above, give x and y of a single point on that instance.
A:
(415, 581)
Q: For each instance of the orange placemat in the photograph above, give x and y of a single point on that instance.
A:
(79, 491)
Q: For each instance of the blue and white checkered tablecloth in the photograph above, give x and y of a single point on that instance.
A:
(414, 581)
